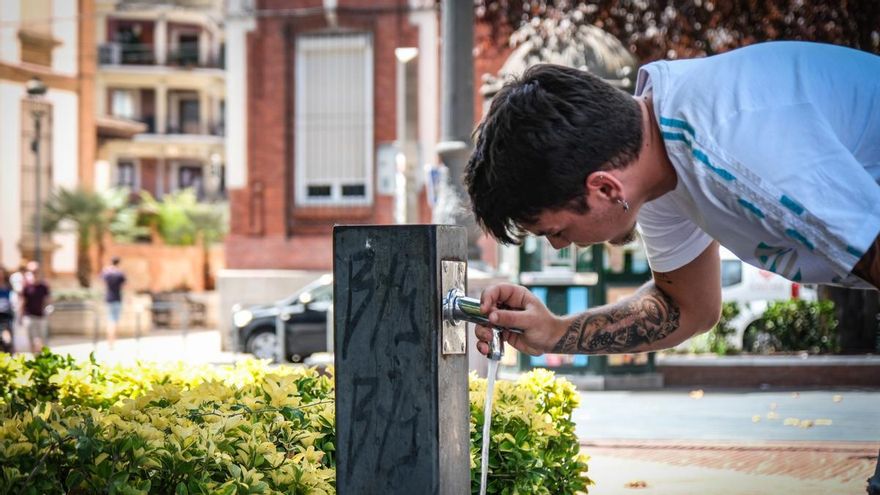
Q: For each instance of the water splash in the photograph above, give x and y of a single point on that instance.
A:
(487, 424)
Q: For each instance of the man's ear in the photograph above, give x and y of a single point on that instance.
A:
(604, 185)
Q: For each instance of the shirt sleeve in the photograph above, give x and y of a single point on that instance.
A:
(671, 239)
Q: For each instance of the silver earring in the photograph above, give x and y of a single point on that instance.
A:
(624, 203)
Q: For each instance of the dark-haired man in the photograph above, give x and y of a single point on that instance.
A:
(771, 150)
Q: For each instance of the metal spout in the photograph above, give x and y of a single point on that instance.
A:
(457, 307)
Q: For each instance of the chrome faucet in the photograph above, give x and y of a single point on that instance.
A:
(458, 307)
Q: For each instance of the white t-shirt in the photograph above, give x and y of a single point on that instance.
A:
(777, 151)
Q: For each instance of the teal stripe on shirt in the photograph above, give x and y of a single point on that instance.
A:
(791, 204)
(679, 124)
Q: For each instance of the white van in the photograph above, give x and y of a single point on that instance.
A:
(754, 288)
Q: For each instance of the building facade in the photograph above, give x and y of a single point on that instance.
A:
(41, 137)
(335, 102)
(160, 96)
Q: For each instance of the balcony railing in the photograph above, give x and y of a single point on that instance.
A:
(126, 53)
(187, 55)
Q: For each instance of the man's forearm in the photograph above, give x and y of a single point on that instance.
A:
(638, 323)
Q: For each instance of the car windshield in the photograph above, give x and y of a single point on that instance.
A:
(320, 290)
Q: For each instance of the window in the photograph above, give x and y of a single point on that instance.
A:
(122, 103)
(334, 119)
(189, 116)
(558, 259)
(731, 272)
(126, 174)
(187, 49)
(320, 294)
(190, 177)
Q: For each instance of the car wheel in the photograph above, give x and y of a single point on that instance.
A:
(758, 340)
(262, 344)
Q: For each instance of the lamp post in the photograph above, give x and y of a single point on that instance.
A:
(406, 208)
(36, 89)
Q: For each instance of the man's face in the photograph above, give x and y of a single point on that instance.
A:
(599, 224)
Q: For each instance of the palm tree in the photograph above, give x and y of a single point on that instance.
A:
(182, 220)
(209, 221)
(87, 213)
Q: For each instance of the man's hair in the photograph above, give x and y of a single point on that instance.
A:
(115, 260)
(543, 135)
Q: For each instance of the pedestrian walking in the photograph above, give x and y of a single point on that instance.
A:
(114, 279)
(35, 297)
(7, 315)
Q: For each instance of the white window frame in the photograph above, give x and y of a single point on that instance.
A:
(301, 198)
(134, 94)
(175, 173)
(137, 172)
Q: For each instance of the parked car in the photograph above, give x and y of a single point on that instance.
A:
(754, 289)
(304, 315)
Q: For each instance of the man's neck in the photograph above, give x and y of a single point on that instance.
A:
(652, 175)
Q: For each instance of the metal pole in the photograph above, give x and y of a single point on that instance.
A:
(457, 119)
(280, 336)
(186, 322)
(96, 320)
(137, 331)
(38, 220)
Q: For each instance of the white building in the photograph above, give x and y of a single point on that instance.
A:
(160, 96)
(38, 38)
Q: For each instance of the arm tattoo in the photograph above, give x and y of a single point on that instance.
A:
(647, 317)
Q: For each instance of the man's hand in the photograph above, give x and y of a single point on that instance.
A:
(514, 306)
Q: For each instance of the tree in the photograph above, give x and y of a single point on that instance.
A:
(180, 219)
(87, 213)
(655, 29)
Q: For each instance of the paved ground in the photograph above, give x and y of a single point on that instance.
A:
(194, 346)
(747, 415)
(755, 468)
(730, 442)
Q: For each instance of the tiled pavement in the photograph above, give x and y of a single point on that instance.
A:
(681, 468)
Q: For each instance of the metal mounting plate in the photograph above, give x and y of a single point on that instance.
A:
(454, 335)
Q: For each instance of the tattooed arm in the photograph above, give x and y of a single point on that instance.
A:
(661, 314)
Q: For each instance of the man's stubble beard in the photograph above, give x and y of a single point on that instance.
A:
(625, 239)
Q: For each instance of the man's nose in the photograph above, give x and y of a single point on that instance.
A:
(558, 242)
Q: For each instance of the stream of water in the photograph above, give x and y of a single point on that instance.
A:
(487, 424)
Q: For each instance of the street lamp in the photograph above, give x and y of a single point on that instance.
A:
(406, 210)
(36, 89)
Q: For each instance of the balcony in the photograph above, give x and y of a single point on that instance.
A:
(126, 54)
(185, 56)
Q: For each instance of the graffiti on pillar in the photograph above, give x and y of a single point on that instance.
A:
(382, 309)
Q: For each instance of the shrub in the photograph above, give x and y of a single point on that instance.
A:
(80, 427)
(799, 325)
(533, 448)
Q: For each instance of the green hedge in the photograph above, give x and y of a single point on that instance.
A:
(70, 427)
(798, 325)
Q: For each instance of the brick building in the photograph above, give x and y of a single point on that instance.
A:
(333, 118)
(321, 101)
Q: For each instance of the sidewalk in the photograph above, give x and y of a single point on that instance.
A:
(193, 346)
(691, 468)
